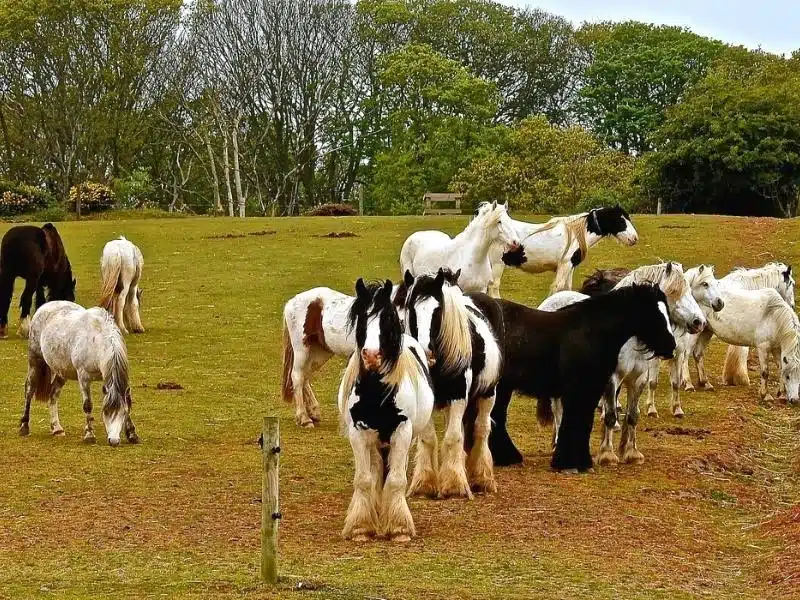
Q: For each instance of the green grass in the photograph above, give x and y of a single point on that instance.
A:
(179, 515)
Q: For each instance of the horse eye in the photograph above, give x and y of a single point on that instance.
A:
(705, 284)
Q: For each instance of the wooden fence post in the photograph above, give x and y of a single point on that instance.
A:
(78, 204)
(270, 506)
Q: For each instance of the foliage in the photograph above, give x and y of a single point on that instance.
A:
(733, 145)
(543, 168)
(19, 198)
(635, 71)
(94, 197)
(135, 191)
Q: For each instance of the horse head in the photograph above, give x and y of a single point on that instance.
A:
(379, 334)
(705, 287)
(612, 220)
(653, 326)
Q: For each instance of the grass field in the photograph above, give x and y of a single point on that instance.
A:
(712, 513)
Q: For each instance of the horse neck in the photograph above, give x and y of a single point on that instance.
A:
(475, 240)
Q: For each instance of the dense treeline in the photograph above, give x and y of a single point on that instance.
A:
(275, 106)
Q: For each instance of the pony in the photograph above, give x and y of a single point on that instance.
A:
(633, 366)
(464, 360)
(385, 402)
(704, 289)
(763, 319)
(315, 328)
(777, 276)
(561, 244)
(426, 251)
(121, 268)
(69, 342)
(569, 354)
(37, 255)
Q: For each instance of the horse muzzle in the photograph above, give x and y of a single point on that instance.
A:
(371, 359)
(696, 326)
(718, 305)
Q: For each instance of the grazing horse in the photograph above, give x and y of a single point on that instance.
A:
(464, 360)
(121, 268)
(385, 402)
(37, 255)
(569, 354)
(315, 329)
(561, 244)
(69, 342)
(426, 251)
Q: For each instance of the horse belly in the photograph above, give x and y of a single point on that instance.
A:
(543, 252)
(338, 338)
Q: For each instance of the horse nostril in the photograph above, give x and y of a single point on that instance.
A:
(697, 324)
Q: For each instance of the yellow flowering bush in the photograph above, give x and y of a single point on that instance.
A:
(94, 197)
(18, 198)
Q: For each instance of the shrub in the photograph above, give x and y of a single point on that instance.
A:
(135, 191)
(332, 210)
(18, 198)
(95, 197)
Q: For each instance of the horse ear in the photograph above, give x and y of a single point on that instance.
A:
(494, 204)
(785, 360)
(408, 278)
(361, 289)
(439, 281)
(669, 268)
(387, 287)
(700, 270)
(456, 275)
(787, 273)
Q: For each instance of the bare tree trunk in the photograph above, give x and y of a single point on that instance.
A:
(236, 173)
(227, 167)
(212, 161)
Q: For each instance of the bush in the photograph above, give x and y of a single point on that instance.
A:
(332, 210)
(18, 198)
(135, 191)
(95, 197)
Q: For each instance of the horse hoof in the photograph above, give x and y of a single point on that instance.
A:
(361, 537)
(688, 388)
(134, 439)
(617, 427)
(677, 413)
(707, 386)
(486, 486)
(569, 471)
(768, 398)
(607, 458)
(24, 429)
(89, 439)
(401, 537)
(633, 457)
(58, 433)
(652, 412)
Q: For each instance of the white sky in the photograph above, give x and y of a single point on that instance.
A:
(774, 25)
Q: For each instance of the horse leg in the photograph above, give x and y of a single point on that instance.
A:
(557, 406)
(610, 423)
(763, 359)
(300, 371)
(318, 358)
(40, 296)
(675, 368)
(25, 301)
(362, 519)
(425, 479)
(396, 522)
(563, 279)
(131, 311)
(630, 453)
(453, 471)
(86, 394)
(572, 450)
(652, 383)
(120, 305)
(504, 452)
(698, 353)
(31, 382)
(52, 404)
(776, 356)
(6, 291)
(479, 463)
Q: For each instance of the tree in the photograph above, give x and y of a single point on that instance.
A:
(733, 145)
(635, 71)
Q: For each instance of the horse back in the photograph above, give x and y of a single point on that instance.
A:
(603, 281)
(23, 250)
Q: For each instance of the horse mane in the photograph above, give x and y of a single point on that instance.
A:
(575, 226)
(361, 304)
(455, 338)
(603, 280)
(768, 276)
(116, 379)
(673, 285)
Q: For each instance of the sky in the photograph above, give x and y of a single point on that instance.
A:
(774, 25)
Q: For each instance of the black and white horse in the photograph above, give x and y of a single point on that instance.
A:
(465, 361)
(560, 245)
(570, 354)
(385, 402)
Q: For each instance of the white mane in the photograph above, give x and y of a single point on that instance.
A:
(673, 285)
(768, 276)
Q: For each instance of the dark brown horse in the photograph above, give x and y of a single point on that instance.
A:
(37, 255)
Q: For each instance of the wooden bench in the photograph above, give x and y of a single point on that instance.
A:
(433, 200)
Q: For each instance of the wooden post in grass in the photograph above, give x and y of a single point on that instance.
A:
(270, 506)
(78, 205)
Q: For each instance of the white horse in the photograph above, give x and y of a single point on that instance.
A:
(69, 342)
(314, 329)
(385, 402)
(560, 245)
(427, 251)
(706, 290)
(633, 364)
(121, 268)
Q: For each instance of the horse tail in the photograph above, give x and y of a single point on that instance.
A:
(287, 387)
(116, 377)
(42, 381)
(735, 370)
(111, 272)
(544, 412)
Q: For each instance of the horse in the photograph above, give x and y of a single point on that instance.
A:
(704, 289)
(121, 268)
(777, 276)
(464, 360)
(633, 366)
(426, 251)
(561, 244)
(385, 402)
(69, 342)
(315, 329)
(37, 255)
(569, 354)
(763, 319)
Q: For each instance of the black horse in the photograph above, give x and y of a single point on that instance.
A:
(37, 255)
(570, 354)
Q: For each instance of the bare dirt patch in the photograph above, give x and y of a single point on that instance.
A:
(339, 234)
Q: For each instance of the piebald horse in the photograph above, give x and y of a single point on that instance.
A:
(69, 342)
(426, 251)
(385, 402)
(121, 269)
(560, 245)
